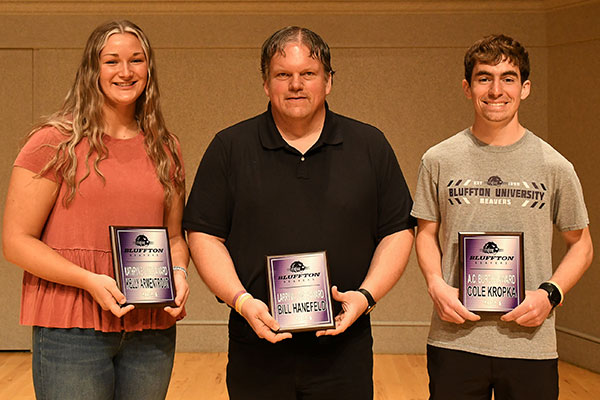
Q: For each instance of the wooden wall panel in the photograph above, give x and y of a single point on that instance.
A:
(573, 119)
(15, 109)
(399, 67)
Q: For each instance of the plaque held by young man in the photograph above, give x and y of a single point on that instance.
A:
(299, 292)
(491, 270)
(142, 263)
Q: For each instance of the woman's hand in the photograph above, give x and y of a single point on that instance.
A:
(105, 292)
(183, 291)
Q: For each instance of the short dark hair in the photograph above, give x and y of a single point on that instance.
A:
(319, 49)
(492, 50)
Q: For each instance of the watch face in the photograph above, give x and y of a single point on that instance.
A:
(553, 294)
(554, 297)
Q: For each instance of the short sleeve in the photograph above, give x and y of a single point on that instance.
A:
(569, 212)
(426, 204)
(39, 150)
(208, 205)
(394, 199)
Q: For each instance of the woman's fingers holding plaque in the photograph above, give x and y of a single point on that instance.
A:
(104, 290)
(264, 325)
(183, 291)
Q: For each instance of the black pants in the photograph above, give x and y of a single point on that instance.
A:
(304, 367)
(458, 375)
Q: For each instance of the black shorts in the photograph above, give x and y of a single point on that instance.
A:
(304, 367)
(458, 375)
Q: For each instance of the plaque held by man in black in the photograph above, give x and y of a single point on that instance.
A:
(299, 292)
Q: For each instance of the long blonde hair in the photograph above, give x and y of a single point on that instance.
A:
(81, 117)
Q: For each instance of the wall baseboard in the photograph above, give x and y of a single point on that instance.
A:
(402, 337)
(577, 334)
(579, 349)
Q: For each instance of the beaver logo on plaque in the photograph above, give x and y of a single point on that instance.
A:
(299, 292)
(491, 270)
(142, 263)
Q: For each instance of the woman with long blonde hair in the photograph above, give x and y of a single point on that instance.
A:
(105, 158)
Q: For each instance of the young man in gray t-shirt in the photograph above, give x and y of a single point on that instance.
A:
(497, 176)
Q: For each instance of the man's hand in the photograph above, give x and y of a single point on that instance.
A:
(447, 305)
(533, 311)
(354, 304)
(264, 325)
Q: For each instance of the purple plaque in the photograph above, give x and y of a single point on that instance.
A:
(491, 270)
(299, 292)
(142, 263)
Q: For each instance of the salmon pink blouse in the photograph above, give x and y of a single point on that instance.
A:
(130, 194)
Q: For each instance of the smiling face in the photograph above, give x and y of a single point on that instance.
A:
(123, 70)
(496, 92)
(297, 84)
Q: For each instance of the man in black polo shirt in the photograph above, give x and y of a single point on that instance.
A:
(297, 179)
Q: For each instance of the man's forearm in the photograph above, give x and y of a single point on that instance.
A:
(388, 263)
(215, 266)
(576, 260)
(428, 251)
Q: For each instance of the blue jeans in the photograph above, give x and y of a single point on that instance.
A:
(87, 364)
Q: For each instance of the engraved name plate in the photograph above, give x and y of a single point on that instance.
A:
(299, 291)
(491, 270)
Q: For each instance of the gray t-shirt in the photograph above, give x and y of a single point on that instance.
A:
(467, 185)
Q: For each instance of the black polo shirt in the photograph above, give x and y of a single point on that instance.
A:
(264, 197)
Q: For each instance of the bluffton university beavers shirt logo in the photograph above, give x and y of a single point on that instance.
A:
(495, 191)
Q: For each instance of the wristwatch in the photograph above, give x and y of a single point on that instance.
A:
(370, 300)
(554, 293)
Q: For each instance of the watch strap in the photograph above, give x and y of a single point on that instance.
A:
(370, 300)
(555, 295)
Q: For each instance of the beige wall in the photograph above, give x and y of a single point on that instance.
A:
(399, 67)
(574, 121)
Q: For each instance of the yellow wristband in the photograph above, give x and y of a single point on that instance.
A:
(237, 301)
(237, 295)
(240, 302)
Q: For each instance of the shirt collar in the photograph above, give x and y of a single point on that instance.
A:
(271, 138)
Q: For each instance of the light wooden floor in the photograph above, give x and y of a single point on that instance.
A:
(202, 376)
